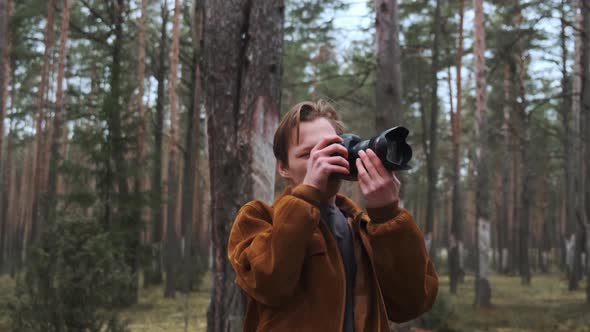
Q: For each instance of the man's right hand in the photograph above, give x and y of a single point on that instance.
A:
(324, 159)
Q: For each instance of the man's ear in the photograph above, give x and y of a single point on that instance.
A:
(283, 170)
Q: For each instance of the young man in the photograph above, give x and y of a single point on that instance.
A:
(314, 261)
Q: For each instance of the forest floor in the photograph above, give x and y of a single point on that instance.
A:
(546, 305)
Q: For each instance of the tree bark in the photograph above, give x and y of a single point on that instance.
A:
(155, 275)
(172, 245)
(50, 205)
(431, 156)
(516, 180)
(23, 227)
(114, 114)
(506, 220)
(11, 198)
(140, 182)
(482, 285)
(543, 224)
(523, 119)
(5, 46)
(40, 105)
(9, 174)
(192, 149)
(242, 102)
(389, 95)
(456, 236)
(582, 209)
(574, 136)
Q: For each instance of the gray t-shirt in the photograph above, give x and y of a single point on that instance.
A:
(333, 218)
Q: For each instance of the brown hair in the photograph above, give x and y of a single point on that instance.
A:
(302, 112)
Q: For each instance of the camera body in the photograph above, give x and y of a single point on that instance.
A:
(390, 146)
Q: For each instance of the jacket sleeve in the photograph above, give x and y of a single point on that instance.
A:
(266, 255)
(407, 278)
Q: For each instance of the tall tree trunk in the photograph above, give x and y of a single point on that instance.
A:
(242, 98)
(570, 124)
(582, 209)
(172, 245)
(482, 214)
(140, 181)
(456, 236)
(112, 108)
(24, 216)
(36, 160)
(204, 204)
(431, 156)
(5, 46)
(389, 95)
(192, 149)
(155, 275)
(115, 122)
(10, 214)
(140, 185)
(50, 207)
(9, 174)
(506, 215)
(523, 125)
(516, 193)
(117, 149)
(543, 223)
(496, 214)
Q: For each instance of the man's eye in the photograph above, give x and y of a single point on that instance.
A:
(304, 155)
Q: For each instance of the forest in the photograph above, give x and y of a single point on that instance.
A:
(131, 132)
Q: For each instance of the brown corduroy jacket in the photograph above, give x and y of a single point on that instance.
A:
(289, 265)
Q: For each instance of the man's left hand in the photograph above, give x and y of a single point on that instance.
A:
(379, 185)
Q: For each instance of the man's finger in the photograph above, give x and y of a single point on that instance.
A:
(327, 141)
(377, 163)
(337, 160)
(368, 164)
(333, 149)
(363, 177)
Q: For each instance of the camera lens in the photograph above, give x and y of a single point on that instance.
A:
(392, 153)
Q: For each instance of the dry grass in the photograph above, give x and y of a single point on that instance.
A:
(546, 305)
(152, 313)
(155, 313)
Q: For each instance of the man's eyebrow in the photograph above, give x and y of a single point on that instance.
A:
(305, 149)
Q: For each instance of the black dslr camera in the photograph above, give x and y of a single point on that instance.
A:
(390, 146)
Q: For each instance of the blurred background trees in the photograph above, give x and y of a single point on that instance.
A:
(153, 119)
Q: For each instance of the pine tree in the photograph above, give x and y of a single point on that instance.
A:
(49, 214)
(456, 240)
(482, 232)
(172, 249)
(388, 73)
(242, 100)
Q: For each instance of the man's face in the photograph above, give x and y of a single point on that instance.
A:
(310, 134)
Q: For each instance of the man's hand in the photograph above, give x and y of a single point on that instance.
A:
(379, 186)
(324, 159)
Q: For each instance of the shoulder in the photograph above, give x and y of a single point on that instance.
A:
(255, 209)
(252, 218)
